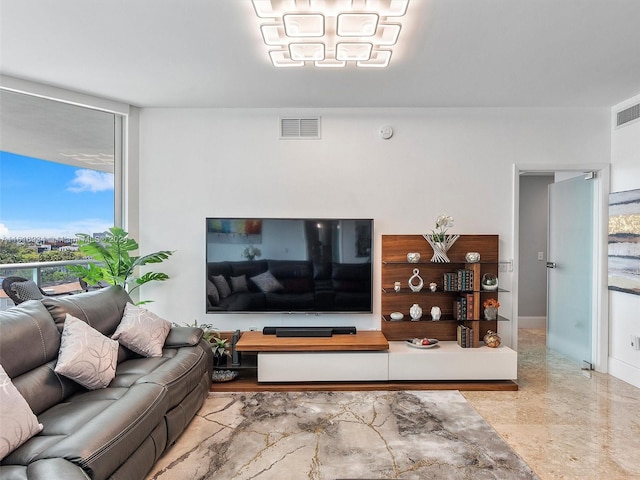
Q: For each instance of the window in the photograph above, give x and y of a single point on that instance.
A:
(60, 169)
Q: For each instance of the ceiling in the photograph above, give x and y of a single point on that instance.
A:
(209, 53)
(59, 132)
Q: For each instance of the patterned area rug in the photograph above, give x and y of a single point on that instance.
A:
(339, 435)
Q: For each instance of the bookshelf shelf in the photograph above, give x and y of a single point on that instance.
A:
(396, 268)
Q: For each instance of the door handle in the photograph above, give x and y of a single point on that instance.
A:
(551, 264)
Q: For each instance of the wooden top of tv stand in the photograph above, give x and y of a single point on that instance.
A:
(360, 341)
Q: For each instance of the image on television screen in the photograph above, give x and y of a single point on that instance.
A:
(310, 265)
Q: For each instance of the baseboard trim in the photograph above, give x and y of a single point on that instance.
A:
(624, 371)
(532, 322)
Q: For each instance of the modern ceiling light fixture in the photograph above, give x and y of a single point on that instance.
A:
(330, 33)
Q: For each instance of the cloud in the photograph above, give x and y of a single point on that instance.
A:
(91, 181)
(64, 230)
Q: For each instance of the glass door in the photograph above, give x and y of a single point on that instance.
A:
(570, 268)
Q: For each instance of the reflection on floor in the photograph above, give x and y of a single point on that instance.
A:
(564, 422)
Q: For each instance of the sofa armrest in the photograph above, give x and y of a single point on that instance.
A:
(183, 337)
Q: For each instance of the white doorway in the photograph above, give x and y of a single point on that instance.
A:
(530, 255)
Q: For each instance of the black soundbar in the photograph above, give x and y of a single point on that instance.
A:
(304, 332)
(308, 331)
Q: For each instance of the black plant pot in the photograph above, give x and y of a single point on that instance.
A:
(219, 361)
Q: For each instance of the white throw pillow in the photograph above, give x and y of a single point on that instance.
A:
(267, 283)
(142, 331)
(86, 356)
(17, 420)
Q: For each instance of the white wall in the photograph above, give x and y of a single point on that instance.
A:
(624, 309)
(229, 162)
(532, 281)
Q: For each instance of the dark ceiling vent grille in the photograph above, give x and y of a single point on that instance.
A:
(628, 115)
(307, 127)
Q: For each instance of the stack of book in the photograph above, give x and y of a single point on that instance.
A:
(463, 307)
(459, 281)
(465, 336)
(465, 280)
(450, 282)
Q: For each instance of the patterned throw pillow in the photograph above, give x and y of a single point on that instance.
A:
(267, 283)
(18, 422)
(86, 356)
(222, 285)
(27, 290)
(142, 331)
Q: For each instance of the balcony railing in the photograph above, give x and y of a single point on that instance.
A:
(52, 277)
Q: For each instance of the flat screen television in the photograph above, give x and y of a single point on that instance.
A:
(289, 265)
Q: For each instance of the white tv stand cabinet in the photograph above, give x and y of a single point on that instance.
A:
(367, 356)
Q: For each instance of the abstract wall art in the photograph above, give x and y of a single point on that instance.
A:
(624, 241)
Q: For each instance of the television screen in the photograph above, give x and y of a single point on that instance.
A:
(310, 265)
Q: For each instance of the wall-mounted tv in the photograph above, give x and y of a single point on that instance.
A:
(289, 265)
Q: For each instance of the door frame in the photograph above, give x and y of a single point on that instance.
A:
(600, 297)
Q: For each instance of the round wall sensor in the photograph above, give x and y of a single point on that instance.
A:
(386, 132)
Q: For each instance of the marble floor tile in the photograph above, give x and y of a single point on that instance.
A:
(564, 422)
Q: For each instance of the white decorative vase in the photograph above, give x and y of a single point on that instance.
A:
(415, 281)
(413, 257)
(472, 257)
(440, 248)
(436, 313)
(416, 312)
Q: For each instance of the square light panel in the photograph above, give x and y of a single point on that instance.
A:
(330, 33)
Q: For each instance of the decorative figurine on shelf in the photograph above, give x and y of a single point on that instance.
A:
(433, 286)
(436, 313)
(416, 278)
(472, 257)
(396, 286)
(416, 312)
(413, 257)
(491, 308)
(492, 339)
(439, 240)
(489, 282)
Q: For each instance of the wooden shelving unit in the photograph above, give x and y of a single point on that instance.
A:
(395, 267)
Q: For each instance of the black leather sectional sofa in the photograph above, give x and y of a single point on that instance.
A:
(117, 432)
(303, 286)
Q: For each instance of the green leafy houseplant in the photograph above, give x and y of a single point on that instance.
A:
(219, 345)
(114, 263)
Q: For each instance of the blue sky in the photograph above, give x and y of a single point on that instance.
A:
(47, 199)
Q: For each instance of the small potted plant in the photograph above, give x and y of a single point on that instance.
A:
(491, 308)
(489, 282)
(443, 223)
(439, 240)
(220, 348)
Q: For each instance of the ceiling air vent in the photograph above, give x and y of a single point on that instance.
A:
(305, 128)
(628, 115)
